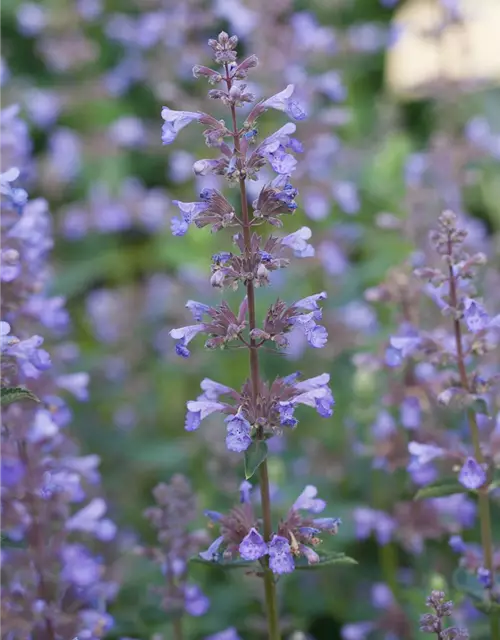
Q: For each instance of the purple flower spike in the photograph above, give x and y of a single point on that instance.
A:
(253, 546)
(282, 102)
(174, 122)
(472, 475)
(238, 433)
(280, 556)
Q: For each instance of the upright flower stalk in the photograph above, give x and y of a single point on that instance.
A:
(270, 588)
(260, 410)
(453, 290)
(453, 238)
(53, 585)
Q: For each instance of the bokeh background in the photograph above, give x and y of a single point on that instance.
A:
(404, 121)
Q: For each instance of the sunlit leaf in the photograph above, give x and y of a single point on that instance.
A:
(16, 394)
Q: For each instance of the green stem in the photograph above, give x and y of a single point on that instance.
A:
(177, 628)
(484, 503)
(389, 560)
(269, 584)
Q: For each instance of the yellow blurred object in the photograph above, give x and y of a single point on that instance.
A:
(443, 42)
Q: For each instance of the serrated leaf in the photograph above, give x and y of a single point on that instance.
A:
(443, 487)
(254, 457)
(222, 563)
(16, 394)
(326, 559)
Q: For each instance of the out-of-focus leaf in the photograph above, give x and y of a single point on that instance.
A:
(9, 543)
(8, 395)
(468, 583)
(254, 457)
(161, 454)
(489, 608)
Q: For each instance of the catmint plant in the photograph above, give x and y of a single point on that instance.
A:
(456, 379)
(171, 516)
(53, 584)
(259, 409)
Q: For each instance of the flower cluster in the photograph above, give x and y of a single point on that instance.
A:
(262, 414)
(53, 584)
(295, 538)
(175, 509)
(433, 622)
(437, 365)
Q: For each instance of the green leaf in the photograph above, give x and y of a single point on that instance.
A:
(495, 483)
(222, 563)
(489, 608)
(16, 394)
(443, 487)
(8, 543)
(254, 457)
(468, 583)
(479, 406)
(326, 559)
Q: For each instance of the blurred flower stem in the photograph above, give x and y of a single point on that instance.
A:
(177, 629)
(484, 505)
(269, 584)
